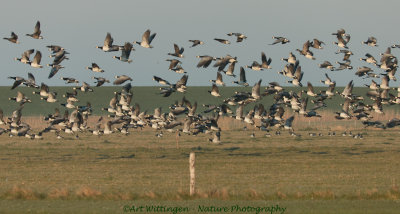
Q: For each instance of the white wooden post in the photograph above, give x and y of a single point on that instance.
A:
(192, 173)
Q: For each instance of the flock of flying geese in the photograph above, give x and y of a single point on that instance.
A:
(182, 116)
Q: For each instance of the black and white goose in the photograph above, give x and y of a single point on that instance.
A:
(218, 80)
(196, 42)
(214, 91)
(36, 60)
(173, 63)
(36, 33)
(25, 56)
(371, 41)
(223, 41)
(95, 68)
(125, 52)
(178, 52)
(121, 79)
(369, 59)
(306, 51)
(13, 38)
(327, 65)
(108, 44)
(242, 78)
(146, 39)
(317, 44)
(205, 61)
(100, 81)
(239, 36)
(279, 39)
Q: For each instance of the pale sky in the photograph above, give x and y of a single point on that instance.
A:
(79, 26)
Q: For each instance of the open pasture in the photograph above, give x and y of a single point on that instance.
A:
(303, 173)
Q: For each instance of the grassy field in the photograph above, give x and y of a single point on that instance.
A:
(102, 174)
(149, 98)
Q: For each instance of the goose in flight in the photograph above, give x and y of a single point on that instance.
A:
(196, 42)
(54, 70)
(219, 80)
(205, 61)
(13, 38)
(125, 52)
(108, 44)
(25, 56)
(36, 60)
(146, 39)
(223, 41)
(100, 81)
(371, 42)
(36, 33)
(239, 36)
(214, 91)
(177, 52)
(95, 68)
(279, 39)
(121, 79)
(242, 78)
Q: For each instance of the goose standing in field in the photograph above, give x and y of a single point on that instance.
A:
(205, 61)
(36, 60)
(242, 78)
(125, 52)
(36, 33)
(13, 38)
(177, 52)
(25, 56)
(195, 43)
(223, 41)
(108, 44)
(121, 79)
(95, 68)
(100, 81)
(279, 39)
(371, 42)
(146, 39)
(239, 36)
(218, 80)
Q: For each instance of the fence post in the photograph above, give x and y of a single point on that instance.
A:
(192, 173)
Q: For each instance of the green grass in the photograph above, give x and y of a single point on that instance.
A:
(101, 175)
(148, 98)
